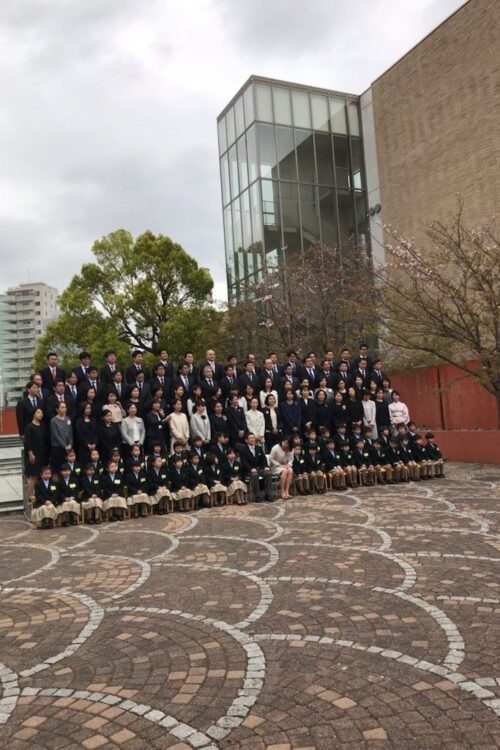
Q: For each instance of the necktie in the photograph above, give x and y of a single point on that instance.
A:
(119, 389)
(140, 386)
(112, 368)
(185, 381)
(53, 372)
(92, 383)
(73, 390)
(33, 402)
(211, 382)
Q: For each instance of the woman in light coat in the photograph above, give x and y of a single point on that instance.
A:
(132, 427)
(200, 423)
(255, 421)
(178, 425)
(280, 461)
(369, 413)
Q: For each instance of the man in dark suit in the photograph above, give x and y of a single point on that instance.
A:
(277, 366)
(345, 357)
(343, 374)
(193, 370)
(93, 381)
(293, 360)
(249, 377)
(160, 379)
(217, 369)
(328, 373)
(185, 379)
(256, 469)
(289, 377)
(167, 365)
(309, 371)
(228, 382)
(82, 369)
(236, 421)
(362, 354)
(208, 383)
(51, 403)
(110, 367)
(361, 371)
(71, 391)
(377, 374)
(232, 360)
(51, 373)
(118, 386)
(136, 367)
(26, 406)
(268, 372)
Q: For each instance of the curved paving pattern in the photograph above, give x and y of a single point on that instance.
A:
(367, 619)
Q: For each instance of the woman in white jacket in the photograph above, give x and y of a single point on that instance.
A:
(255, 421)
(370, 413)
(398, 412)
(200, 423)
(132, 427)
(178, 425)
(280, 461)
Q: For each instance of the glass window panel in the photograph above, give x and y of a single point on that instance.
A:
(324, 158)
(230, 129)
(233, 171)
(290, 207)
(309, 214)
(337, 116)
(253, 166)
(239, 116)
(246, 219)
(328, 215)
(256, 213)
(248, 105)
(357, 164)
(286, 153)
(267, 151)
(353, 117)
(301, 111)
(221, 130)
(228, 239)
(346, 217)
(224, 173)
(305, 155)
(271, 216)
(236, 216)
(282, 106)
(362, 219)
(242, 162)
(320, 113)
(342, 169)
(264, 104)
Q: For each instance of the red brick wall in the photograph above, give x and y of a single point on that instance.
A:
(8, 422)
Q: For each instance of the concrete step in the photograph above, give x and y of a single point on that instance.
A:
(10, 441)
(10, 467)
(11, 506)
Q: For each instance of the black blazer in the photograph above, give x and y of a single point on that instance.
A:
(237, 423)
(47, 381)
(177, 381)
(218, 370)
(24, 412)
(250, 461)
(307, 411)
(106, 375)
(156, 479)
(245, 380)
(89, 486)
(267, 420)
(111, 487)
(80, 373)
(131, 373)
(43, 493)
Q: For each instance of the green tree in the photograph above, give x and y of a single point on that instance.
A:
(131, 296)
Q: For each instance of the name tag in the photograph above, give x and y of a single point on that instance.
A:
(117, 481)
(143, 479)
(96, 482)
(77, 471)
(365, 454)
(72, 486)
(200, 471)
(52, 487)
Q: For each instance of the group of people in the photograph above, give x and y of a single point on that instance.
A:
(112, 439)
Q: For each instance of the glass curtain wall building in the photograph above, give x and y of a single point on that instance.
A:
(292, 174)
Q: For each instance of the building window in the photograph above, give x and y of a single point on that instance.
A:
(286, 153)
(267, 151)
(305, 155)
(301, 110)
(264, 103)
(282, 106)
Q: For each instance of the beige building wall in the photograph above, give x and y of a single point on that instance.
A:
(437, 123)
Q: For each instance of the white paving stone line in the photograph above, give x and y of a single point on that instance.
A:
(441, 530)
(445, 555)
(177, 728)
(254, 676)
(266, 522)
(488, 681)
(410, 574)
(484, 526)
(54, 559)
(174, 542)
(266, 594)
(10, 692)
(94, 534)
(273, 552)
(486, 696)
(468, 599)
(192, 522)
(96, 613)
(456, 646)
(144, 566)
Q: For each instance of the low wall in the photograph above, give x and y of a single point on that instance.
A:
(472, 446)
(8, 423)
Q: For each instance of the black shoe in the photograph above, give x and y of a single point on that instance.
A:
(65, 523)
(113, 519)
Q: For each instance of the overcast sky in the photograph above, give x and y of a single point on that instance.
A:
(108, 110)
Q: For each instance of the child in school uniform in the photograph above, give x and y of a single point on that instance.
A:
(113, 491)
(197, 482)
(96, 462)
(75, 467)
(400, 472)
(67, 490)
(213, 476)
(420, 455)
(179, 488)
(233, 479)
(363, 463)
(300, 474)
(383, 469)
(179, 452)
(137, 490)
(407, 458)
(157, 480)
(333, 469)
(313, 468)
(44, 511)
(348, 465)
(434, 454)
(135, 457)
(90, 494)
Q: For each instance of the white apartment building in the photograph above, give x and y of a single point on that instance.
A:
(25, 311)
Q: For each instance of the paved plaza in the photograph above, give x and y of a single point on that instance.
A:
(368, 619)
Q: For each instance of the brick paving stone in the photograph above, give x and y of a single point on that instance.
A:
(368, 618)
